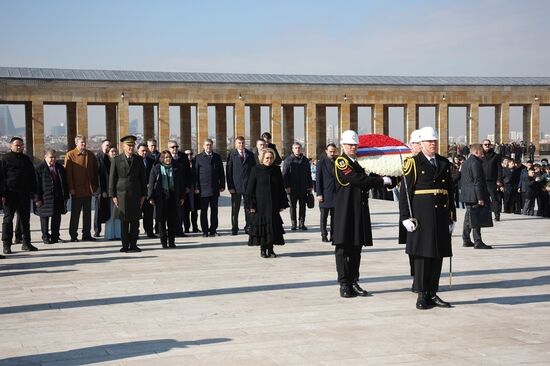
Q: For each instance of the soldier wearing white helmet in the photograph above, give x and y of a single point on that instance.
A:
(414, 142)
(352, 227)
(429, 189)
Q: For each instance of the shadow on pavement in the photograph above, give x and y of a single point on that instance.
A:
(107, 352)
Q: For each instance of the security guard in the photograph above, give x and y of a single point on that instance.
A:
(429, 194)
(352, 227)
(128, 189)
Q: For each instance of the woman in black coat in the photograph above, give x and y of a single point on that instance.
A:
(166, 193)
(266, 198)
(51, 196)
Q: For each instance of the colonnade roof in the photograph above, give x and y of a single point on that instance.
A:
(25, 73)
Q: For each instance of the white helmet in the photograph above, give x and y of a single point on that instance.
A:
(349, 137)
(415, 137)
(428, 134)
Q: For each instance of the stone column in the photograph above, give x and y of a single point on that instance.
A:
(185, 126)
(315, 122)
(221, 130)
(276, 125)
(526, 130)
(411, 120)
(82, 118)
(353, 118)
(535, 125)
(37, 141)
(29, 146)
(71, 125)
(110, 123)
(255, 123)
(472, 130)
(288, 129)
(379, 113)
(148, 121)
(238, 119)
(164, 122)
(202, 124)
(497, 138)
(442, 125)
(345, 117)
(123, 120)
(503, 122)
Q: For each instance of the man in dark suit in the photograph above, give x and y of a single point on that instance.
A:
(101, 196)
(325, 189)
(52, 193)
(266, 136)
(473, 192)
(16, 186)
(147, 209)
(298, 183)
(260, 145)
(128, 189)
(184, 166)
(192, 204)
(239, 165)
(493, 173)
(209, 182)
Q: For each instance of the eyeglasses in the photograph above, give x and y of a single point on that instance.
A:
(486, 144)
(173, 147)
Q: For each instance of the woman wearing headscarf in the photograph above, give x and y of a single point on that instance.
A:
(266, 199)
(166, 193)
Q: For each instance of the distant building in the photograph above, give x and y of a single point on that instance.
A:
(133, 127)
(58, 130)
(7, 128)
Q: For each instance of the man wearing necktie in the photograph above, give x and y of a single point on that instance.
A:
(128, 189)
(429, 188)
(51, 196)
(147, 208)
(239, 165)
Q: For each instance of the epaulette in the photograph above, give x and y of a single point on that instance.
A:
(409, 166)
(341, 164)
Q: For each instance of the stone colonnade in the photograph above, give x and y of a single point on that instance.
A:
(281, 100)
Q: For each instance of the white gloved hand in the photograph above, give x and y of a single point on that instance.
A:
(387, 181)
(409, 225)
(451, 227)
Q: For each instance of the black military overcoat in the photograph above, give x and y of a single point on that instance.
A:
(434, 211)
(352, 225)
(127, 182)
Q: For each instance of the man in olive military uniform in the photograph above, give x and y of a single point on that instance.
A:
(429, 190)
(128, 188)
(352, 226)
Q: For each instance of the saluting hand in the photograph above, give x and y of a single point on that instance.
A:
(115, 201)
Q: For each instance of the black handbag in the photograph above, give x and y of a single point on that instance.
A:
(481, 216)
(310, 200)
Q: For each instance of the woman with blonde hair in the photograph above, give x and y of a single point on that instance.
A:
(266, 198)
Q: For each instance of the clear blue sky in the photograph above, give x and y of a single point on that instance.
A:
(473, 38)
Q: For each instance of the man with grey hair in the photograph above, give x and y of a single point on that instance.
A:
(82, 179)
(153, 150)
(298, 183)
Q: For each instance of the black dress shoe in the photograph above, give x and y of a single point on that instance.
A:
(47, 241)
(358, 290)
(164, 245)
(123, 250)
(214, 233)
(74, 240)
(2, 257)
(96, 235)
(171, 245)
(414, 290)
(346, 291)
(436, 301)
(324, 239)
(196, 230)
(271, 253)
(29, 247)
(422, 302)
(234, 232)
(7, 249)
(303, 227)
(134, 249)
(482, 245)
(88, 238)
(263, 253)
(205, 235)
(467, 244)
(293, 228)
(497, 217)
(59, 240)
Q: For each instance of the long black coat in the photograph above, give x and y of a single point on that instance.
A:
(492, 166)
(297, 175)
(210, 177)
(127, 182)
(352, 225)
(192, 199)
(17, 174)
(472, 181)
(53, 194)
(266, 194)
(238, 171)
(325, 182)
(103, 203)
(185, 169)
(155, 190)
(434, 212)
